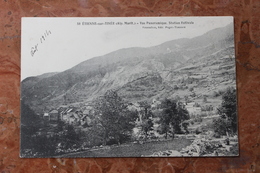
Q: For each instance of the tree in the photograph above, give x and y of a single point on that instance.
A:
(28, 117)
(228, 111)
(113, 117)
(70, 137)
(146, 119)
(173, 117)
(219, 126)
(30, 124)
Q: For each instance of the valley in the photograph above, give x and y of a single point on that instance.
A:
(125, 97)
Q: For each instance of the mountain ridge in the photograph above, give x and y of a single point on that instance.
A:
(149, 69)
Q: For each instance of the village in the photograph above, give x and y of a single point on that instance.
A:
(202, 138)
(70, 115)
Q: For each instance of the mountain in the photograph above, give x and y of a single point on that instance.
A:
(139, 74)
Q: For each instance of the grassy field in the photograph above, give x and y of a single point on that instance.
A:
(133, 149)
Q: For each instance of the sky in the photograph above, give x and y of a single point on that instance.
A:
(57, 44)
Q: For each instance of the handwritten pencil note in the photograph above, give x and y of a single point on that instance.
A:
(42, 39)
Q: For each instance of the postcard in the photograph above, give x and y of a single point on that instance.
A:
(128, 87)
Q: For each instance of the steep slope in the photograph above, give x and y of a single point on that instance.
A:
(138, 73)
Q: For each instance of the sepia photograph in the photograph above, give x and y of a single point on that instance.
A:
(128, 87)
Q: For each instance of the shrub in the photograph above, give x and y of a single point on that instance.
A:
(198, 130)
(219, 126)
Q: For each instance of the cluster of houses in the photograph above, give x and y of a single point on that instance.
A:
(70, 115)
(84, 116)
